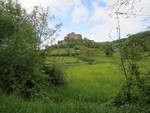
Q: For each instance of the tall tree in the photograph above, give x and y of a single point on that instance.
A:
(108, 49)
(40, 19)
(20, 63)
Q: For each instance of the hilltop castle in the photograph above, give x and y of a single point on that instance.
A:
(73, 36)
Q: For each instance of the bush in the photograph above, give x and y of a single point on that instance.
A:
(55, 74)
(86, 59)
(138, 94)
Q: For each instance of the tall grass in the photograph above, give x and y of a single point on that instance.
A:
(90, 89)
(14, 104)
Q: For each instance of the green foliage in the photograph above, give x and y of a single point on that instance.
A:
(55, 74)
(20, 62)
(142, 39)
(7, 26)
(86, 59)
(22, 72)
(40, 19)
(76, 51)
(108, 49)
(63, 52)
(14, 104)
(89, 89)
(63, 60)
(71, 43)
(137, 91)
(136, 83)
(132, 50)
(89, 52)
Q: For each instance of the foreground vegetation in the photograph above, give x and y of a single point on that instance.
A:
(89, 90)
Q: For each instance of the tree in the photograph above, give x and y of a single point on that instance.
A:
(40, 19)
(6, 25)
(108, 49)
(136, 86)
(21, 69)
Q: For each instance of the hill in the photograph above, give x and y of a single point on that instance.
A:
(142, 39)
(73, 39)
(75, 45)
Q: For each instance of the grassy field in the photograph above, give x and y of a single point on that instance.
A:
(101, 58)
(62, 59)
(89, 89)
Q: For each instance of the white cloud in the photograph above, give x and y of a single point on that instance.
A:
(63, 33)
(105, 24)
(57, 7)
(99, 22)
(109, 2)
(99, 14)
(137, 5)
(128, 26)
(80, 14)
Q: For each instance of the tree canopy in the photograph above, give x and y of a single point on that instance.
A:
(21, 65)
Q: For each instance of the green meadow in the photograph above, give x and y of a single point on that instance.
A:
(90, 88)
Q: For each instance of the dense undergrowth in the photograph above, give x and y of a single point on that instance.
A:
(15, 104)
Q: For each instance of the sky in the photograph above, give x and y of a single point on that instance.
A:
(94, 19)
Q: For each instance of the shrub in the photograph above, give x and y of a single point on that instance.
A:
(138, 94)
(86, 59)
(55, 74)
